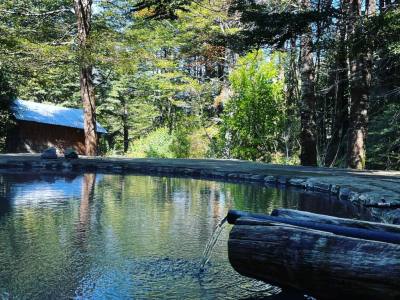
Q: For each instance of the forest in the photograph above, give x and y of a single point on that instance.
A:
(303, 82)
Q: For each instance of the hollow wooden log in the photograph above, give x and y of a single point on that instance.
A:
(353, 232)
(323, 264)
(323, 219)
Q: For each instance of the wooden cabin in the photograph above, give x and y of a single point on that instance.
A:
(40, 126)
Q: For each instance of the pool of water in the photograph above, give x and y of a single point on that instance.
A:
(97, 236)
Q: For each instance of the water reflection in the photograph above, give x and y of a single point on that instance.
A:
(113, 236)
(87, 194)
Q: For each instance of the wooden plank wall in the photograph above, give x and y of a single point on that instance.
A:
(31, 137)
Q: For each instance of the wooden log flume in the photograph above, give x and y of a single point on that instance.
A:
(330, 258)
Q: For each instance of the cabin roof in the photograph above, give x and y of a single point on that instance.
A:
(50, 114)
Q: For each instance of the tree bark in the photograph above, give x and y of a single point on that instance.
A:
(83, 12)
(125, 124)
(336, 147)
(308, 141)
(292, 95)
(359, 89)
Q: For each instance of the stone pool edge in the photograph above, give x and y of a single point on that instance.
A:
(361, 187)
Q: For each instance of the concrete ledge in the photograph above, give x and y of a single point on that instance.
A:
(362, 187)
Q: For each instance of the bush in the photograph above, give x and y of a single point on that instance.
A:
(156, 144)
(254, 117)
(183, 142)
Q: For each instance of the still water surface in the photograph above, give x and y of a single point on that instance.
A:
(94, 236)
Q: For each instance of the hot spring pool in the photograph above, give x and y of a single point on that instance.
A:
(96, 236)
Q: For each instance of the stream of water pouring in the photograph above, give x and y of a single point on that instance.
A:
(211, 243)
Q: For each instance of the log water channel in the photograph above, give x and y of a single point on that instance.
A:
(97, 236)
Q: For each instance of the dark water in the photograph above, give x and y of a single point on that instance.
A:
(130, 237)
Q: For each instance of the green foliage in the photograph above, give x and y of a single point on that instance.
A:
(156, 144)
(7, 94)
(191, 139)
(273, 22)
(384, 139)
(180, 145)
(254, 117)
(166, 9)
(162, 71)
(183, 142)
(124, 105)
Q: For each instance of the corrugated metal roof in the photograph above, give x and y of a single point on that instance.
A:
(50, 114)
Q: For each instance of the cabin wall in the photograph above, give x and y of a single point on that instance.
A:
(31, 137)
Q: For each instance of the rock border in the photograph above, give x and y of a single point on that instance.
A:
(308, 178)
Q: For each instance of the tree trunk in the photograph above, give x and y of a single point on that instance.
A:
(125, 125)
(308, 142)
(292, 95)
(83, 12)
(336, 147)
(360, 80)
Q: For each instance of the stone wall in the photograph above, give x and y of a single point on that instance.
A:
(363, 188)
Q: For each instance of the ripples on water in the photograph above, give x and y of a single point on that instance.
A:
(122, 237)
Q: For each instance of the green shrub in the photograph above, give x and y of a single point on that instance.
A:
(156, 144)
(254, 117)
(183, 142)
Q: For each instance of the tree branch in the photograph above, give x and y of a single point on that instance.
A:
(27, 13)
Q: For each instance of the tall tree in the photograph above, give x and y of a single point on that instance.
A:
(337, 144)
(83, 11)
(360, 80)
(308, 141)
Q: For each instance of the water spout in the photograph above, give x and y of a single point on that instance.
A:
(233, 215)
(211, 243)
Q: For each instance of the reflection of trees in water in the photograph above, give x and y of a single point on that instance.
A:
(252, 197)
(39, 176)
(5, 201)
(163, 207)
(163, 204)
(324, 204)
(87, 194)
(137, 215)
(35, 242)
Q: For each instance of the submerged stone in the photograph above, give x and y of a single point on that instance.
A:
(70, 153)
(49, 153)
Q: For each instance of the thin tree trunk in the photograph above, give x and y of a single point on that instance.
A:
(125, 125)
(292, 96)
(292, 83)
(83, 12)
(308, 142)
